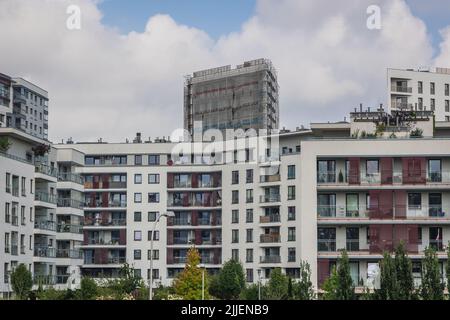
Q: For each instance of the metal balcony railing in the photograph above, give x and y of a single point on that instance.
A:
(69, 228)
(44, 252)
(71, 177)
(14, 249)
(45, 197)
(328, 245)
(69, 253)
(70, 203)
(269, 238)
(46, 169)
(45, 225)
(270, 218)
(270, 259)
(270, 178)
(269, 198)
(402, 89)
(352, 244)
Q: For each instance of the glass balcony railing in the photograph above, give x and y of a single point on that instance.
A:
(69, 253)
(71, 177)
(326, 245)
(46, 169)
(45, 225)
(270, 259)
(269, 238)
(270, 218)
(269, 198)
(45, 197)
(105, 222)
(393, 211)
(70, 203)
(402, 89)
(69, 228)
(44, 252)
(352, 244)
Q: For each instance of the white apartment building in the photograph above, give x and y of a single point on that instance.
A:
(422, 89)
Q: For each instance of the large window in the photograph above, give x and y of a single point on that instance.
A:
(414, 201)
(291, 172)
(434, 170)
(435, 205)
(326, 205)
(234, 196)
(436, 238)
(138, 178)
(291, 192)
(153, 160)
(372, 168)
(153, 178)
(326, 239)
(249, 176)
(352, 205)
(352, 239)
(235, 177)
(326, 171)
(153, 197)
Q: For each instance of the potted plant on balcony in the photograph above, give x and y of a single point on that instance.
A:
(416, 133)
(4, 144)
(341, 177)
(41, 149)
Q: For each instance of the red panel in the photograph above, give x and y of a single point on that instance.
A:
(169, 237)
(105, 199)
(414, 170)
(170, 256)
(400, 204)
(380, 238)
(104, 217)
(185, 199)
(413, 238)
(104, 256)
(213, 218)
(170, 180)
(194, 178)
(354, 171)
(194, 218)
(386, 204)
(85, 237)
(123, 237)
(386, 170)
(217, 179)
(198, 237)
(323, 271)
(217, 256)
(97, 256)
(374, 207)
(105, 181)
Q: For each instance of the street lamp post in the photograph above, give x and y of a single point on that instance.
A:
(167, 215)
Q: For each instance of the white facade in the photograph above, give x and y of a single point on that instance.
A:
(420, 90)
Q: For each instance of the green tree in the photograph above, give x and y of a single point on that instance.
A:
(290, 291)
(403, 268)
(51, 294)
(88, 289)
(303, 289)
(4, 144)
(330, 286)
(251, 292)
(230, 281)
(345, 289)
(128, 283)
(21, 281)
(188, 284)
(432, 287)
(163, 293)
(277, 287)
(388, 279)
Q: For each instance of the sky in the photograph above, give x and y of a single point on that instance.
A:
(122, 71)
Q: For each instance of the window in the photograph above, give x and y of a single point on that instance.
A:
(249, 196)
(291, 172)
(447, 89)
(153, 197)
(23, 187)
(420, 87)
(433, 104)
(249, 235)
(326, 205)
(137, 254)
(291, 254)
(153, 160)
(432, 88)
(22, 215)
(155, 236)
(447, 105)
(291, 213)
(235, 177)
(235, 216)
(435, 238)
(31, 186)
(326, 171)
(352, 239)
(137, 235)
(235, 197)
(249, 216)
(31, 214)
(249, 176)
(155, 254)
(138, 197)
(249, 255)
(352, 205)
(152, 216)
(249, 275)
(414, 201)
(153, 178)
(138, 178)
(137, 216)
(291, 192)
(155, 273)
(7, 212)
(420, 100)
(235, 236)
(235, 254)
(291, 234)
(326, 239)
(8, 182)
(138, 160)
(372, 168)
(434, 170)
(435, 205)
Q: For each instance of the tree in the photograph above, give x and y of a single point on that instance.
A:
(388, 279)
(403, 268)
(251, 292)
(4, 144)
(330, 286)
(432, 287)
(21, 281)
(230, 281)
(88, 289)
(290, 291)
(188, 284)
(345, 289)
(303, 289)
(277, 287)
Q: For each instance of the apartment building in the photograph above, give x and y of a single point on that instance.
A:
(422, 89)
(224, 98)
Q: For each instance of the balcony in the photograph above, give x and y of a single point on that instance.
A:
(71, 177)
(44, 252)
(104, 222)
(269, 198)
(45, 225)
(270, 178)
(70, 203)
(46, 170)
(103, 241)
(116, 260)
(45, 197)
(270, 218)
(100, 204)
(437, 245)
(401, 89)
(352, 244)
(341, 212)
(69, 228)
(181, 221)
(4, 93)
(326, 245)
(269, 238)
(270, 259)
(401, 105)
(179, 260)
(69, 254)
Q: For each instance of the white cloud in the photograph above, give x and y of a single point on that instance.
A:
(104, 84)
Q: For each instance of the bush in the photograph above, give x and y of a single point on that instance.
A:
(89, 289)
(21, 281)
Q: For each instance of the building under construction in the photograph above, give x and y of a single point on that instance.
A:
(225, 98)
